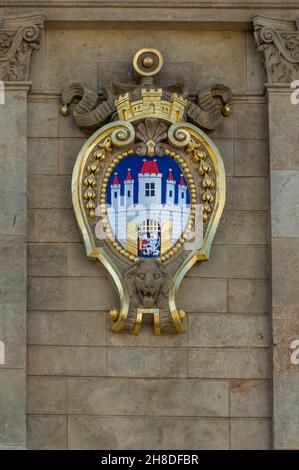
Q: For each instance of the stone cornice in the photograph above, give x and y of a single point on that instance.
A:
(257, 4)
(211, 15)
(18, 86)
(278, 42)
(19, 36)
(278, 88)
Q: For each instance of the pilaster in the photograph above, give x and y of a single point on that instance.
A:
(19, 36)
(278, 42)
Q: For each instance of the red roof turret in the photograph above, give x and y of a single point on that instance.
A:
(170, 175)
(115, 180)
(182, 181)
(129, 176)
(149, 167)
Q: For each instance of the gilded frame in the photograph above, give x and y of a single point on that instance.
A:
(122, 134)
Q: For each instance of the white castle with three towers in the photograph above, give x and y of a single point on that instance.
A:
(146, 224)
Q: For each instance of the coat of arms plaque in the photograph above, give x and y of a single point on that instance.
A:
(148, 187)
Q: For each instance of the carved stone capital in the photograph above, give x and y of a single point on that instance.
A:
(278, 42)
(19, 36)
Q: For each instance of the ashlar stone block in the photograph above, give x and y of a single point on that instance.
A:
(286, 410)
(68, 152)
(250, 434)
(49, 192)
(42, 156)
(12, 410)
(43, 118)
(243, 228)
(52, 225)
(47, 395)
(78, 264)
(285, 288)
(203, 295)
(251, 157)
(47, 432)
(234, 262)
(67, 328)
(250, 121)
(66, 360)
(285, 203)
(46, 259)
(250, 398)
(92, 432)
(247, 296)
(229, 363)
(247, 194)
(223, 330)
(147, 362)
(148, 397)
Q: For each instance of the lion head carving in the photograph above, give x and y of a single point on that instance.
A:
(148, 284)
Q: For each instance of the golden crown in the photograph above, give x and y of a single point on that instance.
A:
(151, 105)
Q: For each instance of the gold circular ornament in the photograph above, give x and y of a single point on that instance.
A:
(64, 110)
(114, 314)
(226, 111)
(147, 62)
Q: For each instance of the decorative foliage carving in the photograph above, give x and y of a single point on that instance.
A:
(94, 107)
(151, 132)
(278, 42)
(199, 156)
(90, 183)
(210, 106)
(19, 36)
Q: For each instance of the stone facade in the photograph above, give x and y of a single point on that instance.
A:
(212, 386)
